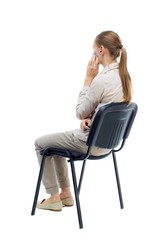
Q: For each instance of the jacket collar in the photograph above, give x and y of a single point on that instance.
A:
(110, 67)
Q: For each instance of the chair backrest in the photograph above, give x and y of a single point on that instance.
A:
(112, 124)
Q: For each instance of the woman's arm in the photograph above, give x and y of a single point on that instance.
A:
(89, 99)
(89, 96)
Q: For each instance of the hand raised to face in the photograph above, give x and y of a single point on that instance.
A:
(92, 70)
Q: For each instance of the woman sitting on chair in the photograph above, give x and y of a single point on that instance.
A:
(112, 84)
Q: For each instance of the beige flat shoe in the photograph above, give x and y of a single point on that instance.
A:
(55, 206)
(68, 202)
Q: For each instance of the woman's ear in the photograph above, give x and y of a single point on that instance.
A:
(102, 50)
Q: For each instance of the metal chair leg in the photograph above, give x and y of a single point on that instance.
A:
(76, 194)
(118, 180)
(81, 175)
(38, 185)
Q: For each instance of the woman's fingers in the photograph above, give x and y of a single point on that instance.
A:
(85, 124)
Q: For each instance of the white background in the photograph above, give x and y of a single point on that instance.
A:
(44, 50)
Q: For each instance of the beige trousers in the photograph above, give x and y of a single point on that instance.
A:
(55, 174)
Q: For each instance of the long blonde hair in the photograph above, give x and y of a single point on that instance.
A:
(112, 42)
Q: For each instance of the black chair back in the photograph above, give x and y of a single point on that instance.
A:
(112, 124)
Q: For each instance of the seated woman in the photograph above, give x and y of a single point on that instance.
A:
(112, 84)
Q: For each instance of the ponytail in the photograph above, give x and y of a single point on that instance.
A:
(125, 76)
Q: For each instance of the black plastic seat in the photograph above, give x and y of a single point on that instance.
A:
(110, 129)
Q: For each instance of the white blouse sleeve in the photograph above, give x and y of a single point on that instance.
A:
(89, 98)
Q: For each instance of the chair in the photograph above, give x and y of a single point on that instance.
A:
(110, 129)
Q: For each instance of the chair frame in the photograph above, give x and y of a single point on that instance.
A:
(72, 159)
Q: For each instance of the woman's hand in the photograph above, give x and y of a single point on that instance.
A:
(92, 70)
(85, 124)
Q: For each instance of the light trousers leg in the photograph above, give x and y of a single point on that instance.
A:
(55, 173)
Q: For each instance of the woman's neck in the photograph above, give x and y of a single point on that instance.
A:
(108, 61)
